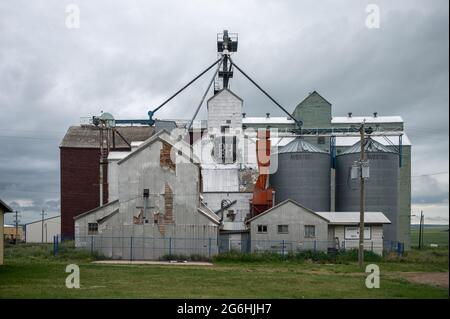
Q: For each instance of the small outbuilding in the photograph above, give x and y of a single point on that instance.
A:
(289, 226)
(43, 231)
(3, 209)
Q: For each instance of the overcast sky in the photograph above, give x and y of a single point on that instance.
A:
(127, 56)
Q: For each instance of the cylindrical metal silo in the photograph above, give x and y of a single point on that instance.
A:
(302, 174)
(381, 187)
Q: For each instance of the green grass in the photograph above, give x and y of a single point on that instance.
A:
(431, 235)
(32, 272)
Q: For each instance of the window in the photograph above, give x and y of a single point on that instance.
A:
(321, 140)
(283, 229)
(228, 121)
(262, 228)
(92, 228)
(310, 231)
(224, 129)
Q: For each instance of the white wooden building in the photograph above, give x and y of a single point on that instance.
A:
(289, 226)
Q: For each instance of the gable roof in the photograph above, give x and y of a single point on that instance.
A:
(157, 137)
(311, 94)
(88, 136)
(5, 207)
(282, 204)
(221, 91)
(206, 211)
(95, 209)
(104, 218)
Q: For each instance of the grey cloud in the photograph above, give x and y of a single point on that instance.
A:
(127, 57)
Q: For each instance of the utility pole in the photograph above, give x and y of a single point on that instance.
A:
(42, 225)
(421, 230)
(16, 223)
(361, 200)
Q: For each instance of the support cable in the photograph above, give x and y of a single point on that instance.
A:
(299, 123)
(204, 95)
(185, 86)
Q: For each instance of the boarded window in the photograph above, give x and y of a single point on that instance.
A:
(310, 231)
(262, 228)
(92, 228)
(321, 140)
(283, 229)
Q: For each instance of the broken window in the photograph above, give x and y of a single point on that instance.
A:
(321, 140)
(92, 228)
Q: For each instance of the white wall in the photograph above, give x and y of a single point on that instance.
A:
(375, 243)
(52, 227)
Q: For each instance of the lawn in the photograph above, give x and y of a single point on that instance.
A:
(431, 235)
(32, 272)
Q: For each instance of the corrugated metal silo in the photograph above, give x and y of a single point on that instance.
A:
(303, 175)
(381, 188)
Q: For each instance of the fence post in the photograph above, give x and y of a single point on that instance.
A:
(131, 248)
(92, 245)
(315, 245)
(170, 247)
(371, 246)
(282, 248)
(209, 247)
(54, 246)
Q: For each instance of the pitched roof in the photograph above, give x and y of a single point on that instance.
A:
(311, 94)
(5, 207)
(162, 136)
(223, 90)
(282, 204)
(88, 136)
(95, 209)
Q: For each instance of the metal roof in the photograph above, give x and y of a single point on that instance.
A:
(88, 136)
(115, 156)
(300, 145)
(5, 207)
(267, 120)
(367, 119)
(385, 140)
(351, 218)
(370, 146)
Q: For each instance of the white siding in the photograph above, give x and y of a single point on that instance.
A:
(52, 227)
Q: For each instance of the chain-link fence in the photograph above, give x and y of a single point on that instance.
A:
(151, 248)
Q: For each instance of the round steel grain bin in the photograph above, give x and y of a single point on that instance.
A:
(302, 174)
(381, 188)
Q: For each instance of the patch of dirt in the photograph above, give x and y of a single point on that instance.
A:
(429, 278)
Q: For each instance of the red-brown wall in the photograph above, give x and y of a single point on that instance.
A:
(80, 185)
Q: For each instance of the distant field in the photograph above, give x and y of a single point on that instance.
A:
(432, 235)
(32, 272)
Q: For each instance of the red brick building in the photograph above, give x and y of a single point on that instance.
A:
(80, 169)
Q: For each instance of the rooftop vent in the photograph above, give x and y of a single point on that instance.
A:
(375, 114)
(267, 115)
(350, 114)
(243, 114)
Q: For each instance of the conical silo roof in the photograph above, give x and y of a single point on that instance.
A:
(370, 146)
(299, 145)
